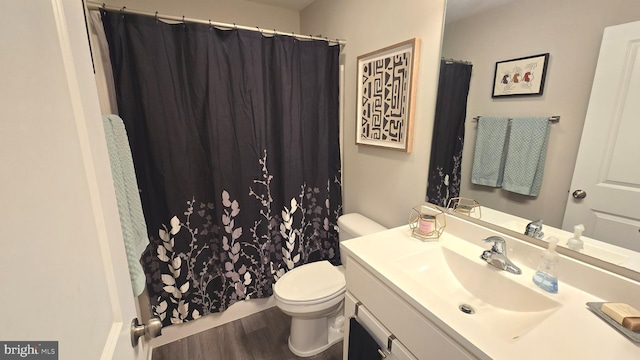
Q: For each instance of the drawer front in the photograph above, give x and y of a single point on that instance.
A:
(411, 328)
(376, 330)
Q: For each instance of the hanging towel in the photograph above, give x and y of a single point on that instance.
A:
(489, 155)
(134, 228)
(362, 346)
(525, 157)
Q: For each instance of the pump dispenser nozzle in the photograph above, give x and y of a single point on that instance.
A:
(575, 243)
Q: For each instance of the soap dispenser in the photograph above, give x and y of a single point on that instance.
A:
(575, 243)
(546, 276)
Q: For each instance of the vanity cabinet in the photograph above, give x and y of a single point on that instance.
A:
(416, 337)
(391, 348)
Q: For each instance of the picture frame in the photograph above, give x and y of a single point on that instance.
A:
(386, 89)
(520, 77)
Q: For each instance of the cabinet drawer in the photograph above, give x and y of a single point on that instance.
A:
(411, 328)
(376, 330)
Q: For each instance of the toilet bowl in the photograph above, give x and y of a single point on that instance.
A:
(313, 295)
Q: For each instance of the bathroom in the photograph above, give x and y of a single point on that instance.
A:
(379, 183)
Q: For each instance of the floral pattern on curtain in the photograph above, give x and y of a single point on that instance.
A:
(236, 148)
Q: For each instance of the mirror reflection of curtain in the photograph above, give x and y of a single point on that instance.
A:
(448, 132)
(235, 141)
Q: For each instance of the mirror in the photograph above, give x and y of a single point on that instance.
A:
(571, 32)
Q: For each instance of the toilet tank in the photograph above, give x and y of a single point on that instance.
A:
(354, 225)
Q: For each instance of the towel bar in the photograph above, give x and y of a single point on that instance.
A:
(383, 353)
(555, 118)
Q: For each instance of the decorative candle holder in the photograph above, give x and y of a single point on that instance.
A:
(465, 206)
(426, 222)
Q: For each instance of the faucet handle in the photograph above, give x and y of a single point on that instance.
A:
(498, 244)
(534, 229)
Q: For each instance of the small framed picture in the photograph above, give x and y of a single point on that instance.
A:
(386, 96)
(520, 77)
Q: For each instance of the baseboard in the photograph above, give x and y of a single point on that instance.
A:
(234, 312)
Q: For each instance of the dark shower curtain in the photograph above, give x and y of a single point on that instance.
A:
(236, 149)
(448, 132)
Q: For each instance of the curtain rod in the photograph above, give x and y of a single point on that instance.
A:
(555, 118)
(96, 6)
(449, 61)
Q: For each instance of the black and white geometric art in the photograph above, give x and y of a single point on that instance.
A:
(386, 88)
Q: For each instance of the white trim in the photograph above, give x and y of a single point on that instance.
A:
(90, 172)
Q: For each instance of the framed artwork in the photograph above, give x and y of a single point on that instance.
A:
(520, 77)
(386, 96)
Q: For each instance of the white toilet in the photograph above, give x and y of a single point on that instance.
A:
(313, 294)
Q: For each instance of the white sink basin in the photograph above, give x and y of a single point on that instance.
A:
(500, 304)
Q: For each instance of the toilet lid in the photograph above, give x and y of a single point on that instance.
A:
(310, 282)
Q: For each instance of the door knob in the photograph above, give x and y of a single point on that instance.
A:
(153, 329)
(579, 194)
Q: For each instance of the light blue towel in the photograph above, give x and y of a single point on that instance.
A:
(134, 227)
(526, 155)
(489, 155)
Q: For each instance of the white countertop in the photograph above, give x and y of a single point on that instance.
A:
(571, 332)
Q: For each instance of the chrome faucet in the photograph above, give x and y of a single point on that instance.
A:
(497, 255)
(534, 229)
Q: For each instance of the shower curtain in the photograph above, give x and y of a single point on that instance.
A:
(448, 132)
(236, 148)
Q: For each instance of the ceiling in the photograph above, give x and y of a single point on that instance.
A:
(456, 9)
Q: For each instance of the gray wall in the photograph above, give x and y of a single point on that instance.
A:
(571, 31)
(379, 183)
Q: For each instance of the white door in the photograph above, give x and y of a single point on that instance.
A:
(62, 263)
(608, 165)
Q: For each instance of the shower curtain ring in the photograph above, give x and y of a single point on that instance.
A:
(122, 11)
(156, 17)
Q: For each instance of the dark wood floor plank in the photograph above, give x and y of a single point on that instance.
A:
(261, 336)
(264, 346)
(233, 341)
(254, 322)
(207, 344)
(177, 350)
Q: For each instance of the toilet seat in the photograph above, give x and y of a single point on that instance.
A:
(309, 284)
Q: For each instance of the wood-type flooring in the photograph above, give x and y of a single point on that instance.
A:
(261, 336)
